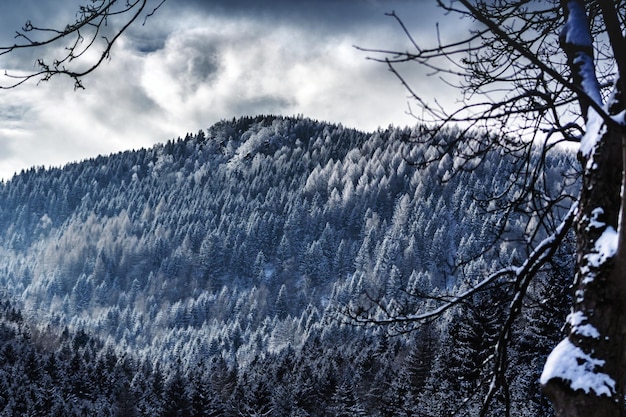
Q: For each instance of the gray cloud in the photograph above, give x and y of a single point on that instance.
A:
(323, 15)
(12, 112)
(340, 14)
(270, 103)
(196, 62)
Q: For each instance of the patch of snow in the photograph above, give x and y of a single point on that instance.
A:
(580, 295)
(576, 318)
(594, 130)
(269, 270)
(577, 321)
(620, 117)
(570, 364)
(576, 29)
(251, 144)
(594, 222)
(606, 247)
(589, 82)
(587, 330)
(44, 221)
(576, 32)
(589, 277)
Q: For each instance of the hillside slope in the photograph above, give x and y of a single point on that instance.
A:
(239, 246)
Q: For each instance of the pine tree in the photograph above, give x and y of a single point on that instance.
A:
(176, 401)
(344, 402)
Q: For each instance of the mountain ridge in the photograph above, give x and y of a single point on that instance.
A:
(244, 244)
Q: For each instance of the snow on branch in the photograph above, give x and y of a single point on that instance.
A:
(575, 37)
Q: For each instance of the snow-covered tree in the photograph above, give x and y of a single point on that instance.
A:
(532, 75)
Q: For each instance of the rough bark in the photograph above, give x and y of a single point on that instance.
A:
(597, 325)
(599, 289)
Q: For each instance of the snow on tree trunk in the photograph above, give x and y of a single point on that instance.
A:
(584, 375)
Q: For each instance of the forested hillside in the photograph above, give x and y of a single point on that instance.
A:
(210, 276)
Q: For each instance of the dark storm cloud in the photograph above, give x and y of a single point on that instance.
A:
(323, 16)
(335, 15)
(15, 14)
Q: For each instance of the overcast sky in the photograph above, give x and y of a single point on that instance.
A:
(199, 61)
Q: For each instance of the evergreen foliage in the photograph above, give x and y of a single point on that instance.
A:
(206, 276)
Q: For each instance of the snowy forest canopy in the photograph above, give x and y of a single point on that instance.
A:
(210, 276)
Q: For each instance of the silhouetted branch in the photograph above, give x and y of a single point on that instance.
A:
(73, 41)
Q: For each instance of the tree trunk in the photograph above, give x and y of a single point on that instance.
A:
(585, 376)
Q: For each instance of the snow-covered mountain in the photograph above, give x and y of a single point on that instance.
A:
(212, 273)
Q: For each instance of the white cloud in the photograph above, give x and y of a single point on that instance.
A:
(250, 69)
(196, 71)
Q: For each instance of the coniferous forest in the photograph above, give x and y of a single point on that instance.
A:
(214, 275)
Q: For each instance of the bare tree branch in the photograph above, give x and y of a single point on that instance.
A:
(98, 25)
(524, 275)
